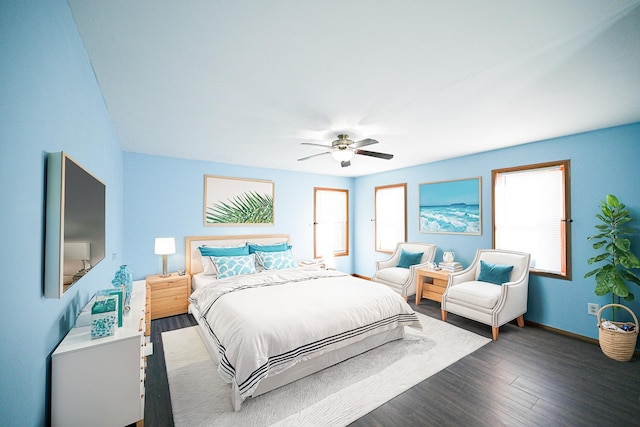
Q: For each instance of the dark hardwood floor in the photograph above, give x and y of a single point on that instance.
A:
(529, 377)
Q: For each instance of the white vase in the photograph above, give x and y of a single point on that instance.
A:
(448, 256)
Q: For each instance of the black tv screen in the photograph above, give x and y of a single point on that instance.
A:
(75, 223)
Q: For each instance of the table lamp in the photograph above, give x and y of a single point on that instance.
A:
(165, 246)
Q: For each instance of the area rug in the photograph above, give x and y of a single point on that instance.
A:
(335, 396)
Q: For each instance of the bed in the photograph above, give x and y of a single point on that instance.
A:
(282, 322)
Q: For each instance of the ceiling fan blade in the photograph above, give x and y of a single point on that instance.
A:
(314, 155)
(363, 143)
(374, 154)
(315, 145)
(345, 164)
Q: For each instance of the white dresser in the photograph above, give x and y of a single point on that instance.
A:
(100, 382)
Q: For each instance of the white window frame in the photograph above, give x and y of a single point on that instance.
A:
(521, 224)
(390, 216)
(330, 222)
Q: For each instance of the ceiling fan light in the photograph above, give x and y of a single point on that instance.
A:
(342, 155)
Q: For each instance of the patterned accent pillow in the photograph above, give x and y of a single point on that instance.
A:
(207, 252)
(228, 266)
(276, 260)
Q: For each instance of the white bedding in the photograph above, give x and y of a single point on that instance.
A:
(265, 323)
(199, 280)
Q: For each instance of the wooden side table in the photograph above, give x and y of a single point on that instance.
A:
(169, 294)
(433, 288)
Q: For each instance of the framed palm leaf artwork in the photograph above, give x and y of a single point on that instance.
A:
(237, 201)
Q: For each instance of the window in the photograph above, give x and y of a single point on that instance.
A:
(390, 216)
(531, 213)
(331, 222)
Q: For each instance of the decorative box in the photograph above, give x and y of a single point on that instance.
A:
(118, 292)
(104, 316)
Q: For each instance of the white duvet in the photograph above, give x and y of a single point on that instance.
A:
(265, 323)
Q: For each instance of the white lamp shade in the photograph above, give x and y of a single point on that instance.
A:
(77, 251)
(165, 246)
(343, 155)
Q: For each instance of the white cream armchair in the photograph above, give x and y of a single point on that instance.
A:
(403, 280)
(485, 302)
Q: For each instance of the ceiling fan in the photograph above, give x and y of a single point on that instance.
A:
(343, 149)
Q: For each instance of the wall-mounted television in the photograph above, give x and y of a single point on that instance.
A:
(74, 223)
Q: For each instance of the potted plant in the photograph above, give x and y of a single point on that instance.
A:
(612, 276)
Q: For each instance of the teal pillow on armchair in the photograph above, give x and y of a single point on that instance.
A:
(407, 259)
(494, 273)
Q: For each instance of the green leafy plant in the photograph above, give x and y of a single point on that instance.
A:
(252, 208)
(612, 276)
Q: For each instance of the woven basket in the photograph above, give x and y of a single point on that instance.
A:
(618, 345)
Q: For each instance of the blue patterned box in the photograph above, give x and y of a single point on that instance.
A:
(116, 293)
(104, 317)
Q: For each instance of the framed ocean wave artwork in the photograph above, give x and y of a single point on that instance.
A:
(451, 206)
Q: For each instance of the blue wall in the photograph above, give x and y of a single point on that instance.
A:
(49, 101)
(604, 161)
(166, 196)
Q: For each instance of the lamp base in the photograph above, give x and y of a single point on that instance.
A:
(164, 267)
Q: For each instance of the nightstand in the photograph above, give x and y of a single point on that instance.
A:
(437, 281)
(168, 294)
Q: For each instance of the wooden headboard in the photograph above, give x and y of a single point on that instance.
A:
(193, 261)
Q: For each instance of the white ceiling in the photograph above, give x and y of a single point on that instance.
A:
(245, 82)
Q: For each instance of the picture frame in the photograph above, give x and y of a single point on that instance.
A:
(451, 207)
(230, 201)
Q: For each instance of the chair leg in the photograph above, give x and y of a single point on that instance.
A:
(494, 332)
(444, 315)
(521, 321)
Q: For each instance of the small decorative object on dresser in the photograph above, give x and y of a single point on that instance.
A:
(169, 294)
(117, 293)
(104, 316)
(124, 278)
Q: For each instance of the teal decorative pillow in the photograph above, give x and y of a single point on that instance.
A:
(224, 250)
(407, 259)
(276, 260)
(228, 266)
(276, 247)
(494, 273)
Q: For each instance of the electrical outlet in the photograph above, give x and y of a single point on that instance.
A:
(592, 308)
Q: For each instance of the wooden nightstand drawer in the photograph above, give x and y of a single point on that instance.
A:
(168, 282)
(164, 291)
(168, 295)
